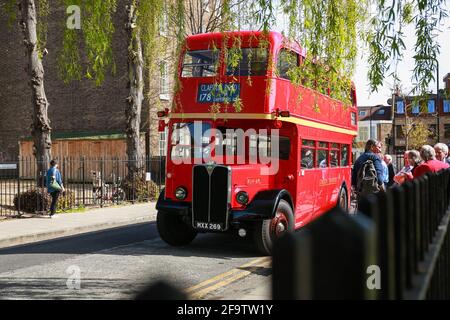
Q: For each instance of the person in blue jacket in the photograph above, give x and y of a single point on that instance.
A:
(371, 152)
(53, 174)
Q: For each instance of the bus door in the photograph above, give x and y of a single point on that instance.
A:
(306, 188)
(324, 182)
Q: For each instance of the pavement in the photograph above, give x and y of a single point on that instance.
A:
(18, 232)
(24, 231)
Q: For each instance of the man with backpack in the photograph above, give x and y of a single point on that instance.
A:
(367, 172)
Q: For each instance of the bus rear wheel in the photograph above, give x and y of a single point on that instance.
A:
(173, 230)
(343, 199)
(267, 231)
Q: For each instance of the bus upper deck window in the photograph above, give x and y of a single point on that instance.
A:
(247, 62)
(200, 63)
(287, 61)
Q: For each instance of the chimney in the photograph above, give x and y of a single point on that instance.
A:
(447, 81)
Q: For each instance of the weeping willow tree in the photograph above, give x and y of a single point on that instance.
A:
(328, 29)
(144, 46)
(386, 40)
(142, 21)
(28, 13)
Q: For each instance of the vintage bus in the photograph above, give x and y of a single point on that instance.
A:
(314, 144)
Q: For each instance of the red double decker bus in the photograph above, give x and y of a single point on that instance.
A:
(306, 135)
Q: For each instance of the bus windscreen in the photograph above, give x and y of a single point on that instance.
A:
(200, 63)
(247, 62)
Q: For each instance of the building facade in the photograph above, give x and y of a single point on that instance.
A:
(434, 113)
(374, 122)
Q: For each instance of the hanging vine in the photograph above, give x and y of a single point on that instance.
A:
(386, 40)
(97, 30)
(69, 60)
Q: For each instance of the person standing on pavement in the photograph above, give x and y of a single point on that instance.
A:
(371, 151)
(53, 175)
(391, 172)
(442, 152)
(430, 163)
(405, 174)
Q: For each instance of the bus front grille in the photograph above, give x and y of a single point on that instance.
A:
(211, 192)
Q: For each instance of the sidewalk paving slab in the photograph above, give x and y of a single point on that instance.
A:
(23, 231)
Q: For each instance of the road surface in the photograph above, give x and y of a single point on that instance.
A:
(118, 263)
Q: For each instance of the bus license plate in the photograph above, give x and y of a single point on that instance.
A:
(209, 226)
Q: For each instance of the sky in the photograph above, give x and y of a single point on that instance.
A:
(405, 67)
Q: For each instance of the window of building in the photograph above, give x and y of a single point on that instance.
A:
(287, 61)
(447, 130)
(164, 82)
(200, 63)
(381, 111)
(363, 133)
(431, 106)
(446, 105)
(400, 107)
(399, 132)
(415, 108)
(373, 132)
(362, 113)
(163, 142)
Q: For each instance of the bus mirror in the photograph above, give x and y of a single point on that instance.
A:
(161, 126)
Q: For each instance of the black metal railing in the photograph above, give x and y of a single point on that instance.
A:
(88, 182)
(397, 246)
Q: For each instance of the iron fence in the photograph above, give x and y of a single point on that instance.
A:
(396, 247)
(88, 182)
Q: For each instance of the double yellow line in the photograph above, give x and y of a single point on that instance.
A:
(203, 288)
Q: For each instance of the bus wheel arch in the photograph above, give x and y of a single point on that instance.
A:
(266, 231)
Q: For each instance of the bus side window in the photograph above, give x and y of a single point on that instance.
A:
(307, 160)
(322, 155)
(334, 155)
(344, 155)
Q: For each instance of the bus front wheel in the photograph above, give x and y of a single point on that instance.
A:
(173, 230)
(267, 231)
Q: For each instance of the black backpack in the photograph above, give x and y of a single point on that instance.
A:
(367, 180)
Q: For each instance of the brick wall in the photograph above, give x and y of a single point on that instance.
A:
(78, 107)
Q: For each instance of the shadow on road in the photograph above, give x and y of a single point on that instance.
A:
(144, 239)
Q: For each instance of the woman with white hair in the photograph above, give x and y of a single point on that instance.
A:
(430, 163)
(442, 152)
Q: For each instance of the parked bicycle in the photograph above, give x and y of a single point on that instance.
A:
(107, 192)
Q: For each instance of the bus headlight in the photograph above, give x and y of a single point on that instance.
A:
(180, 193)
(242, 197)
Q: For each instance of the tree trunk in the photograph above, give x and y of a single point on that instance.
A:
(40, 128)
(136, 86)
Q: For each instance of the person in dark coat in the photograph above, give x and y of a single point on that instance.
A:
(391, 171)
(372, 149)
